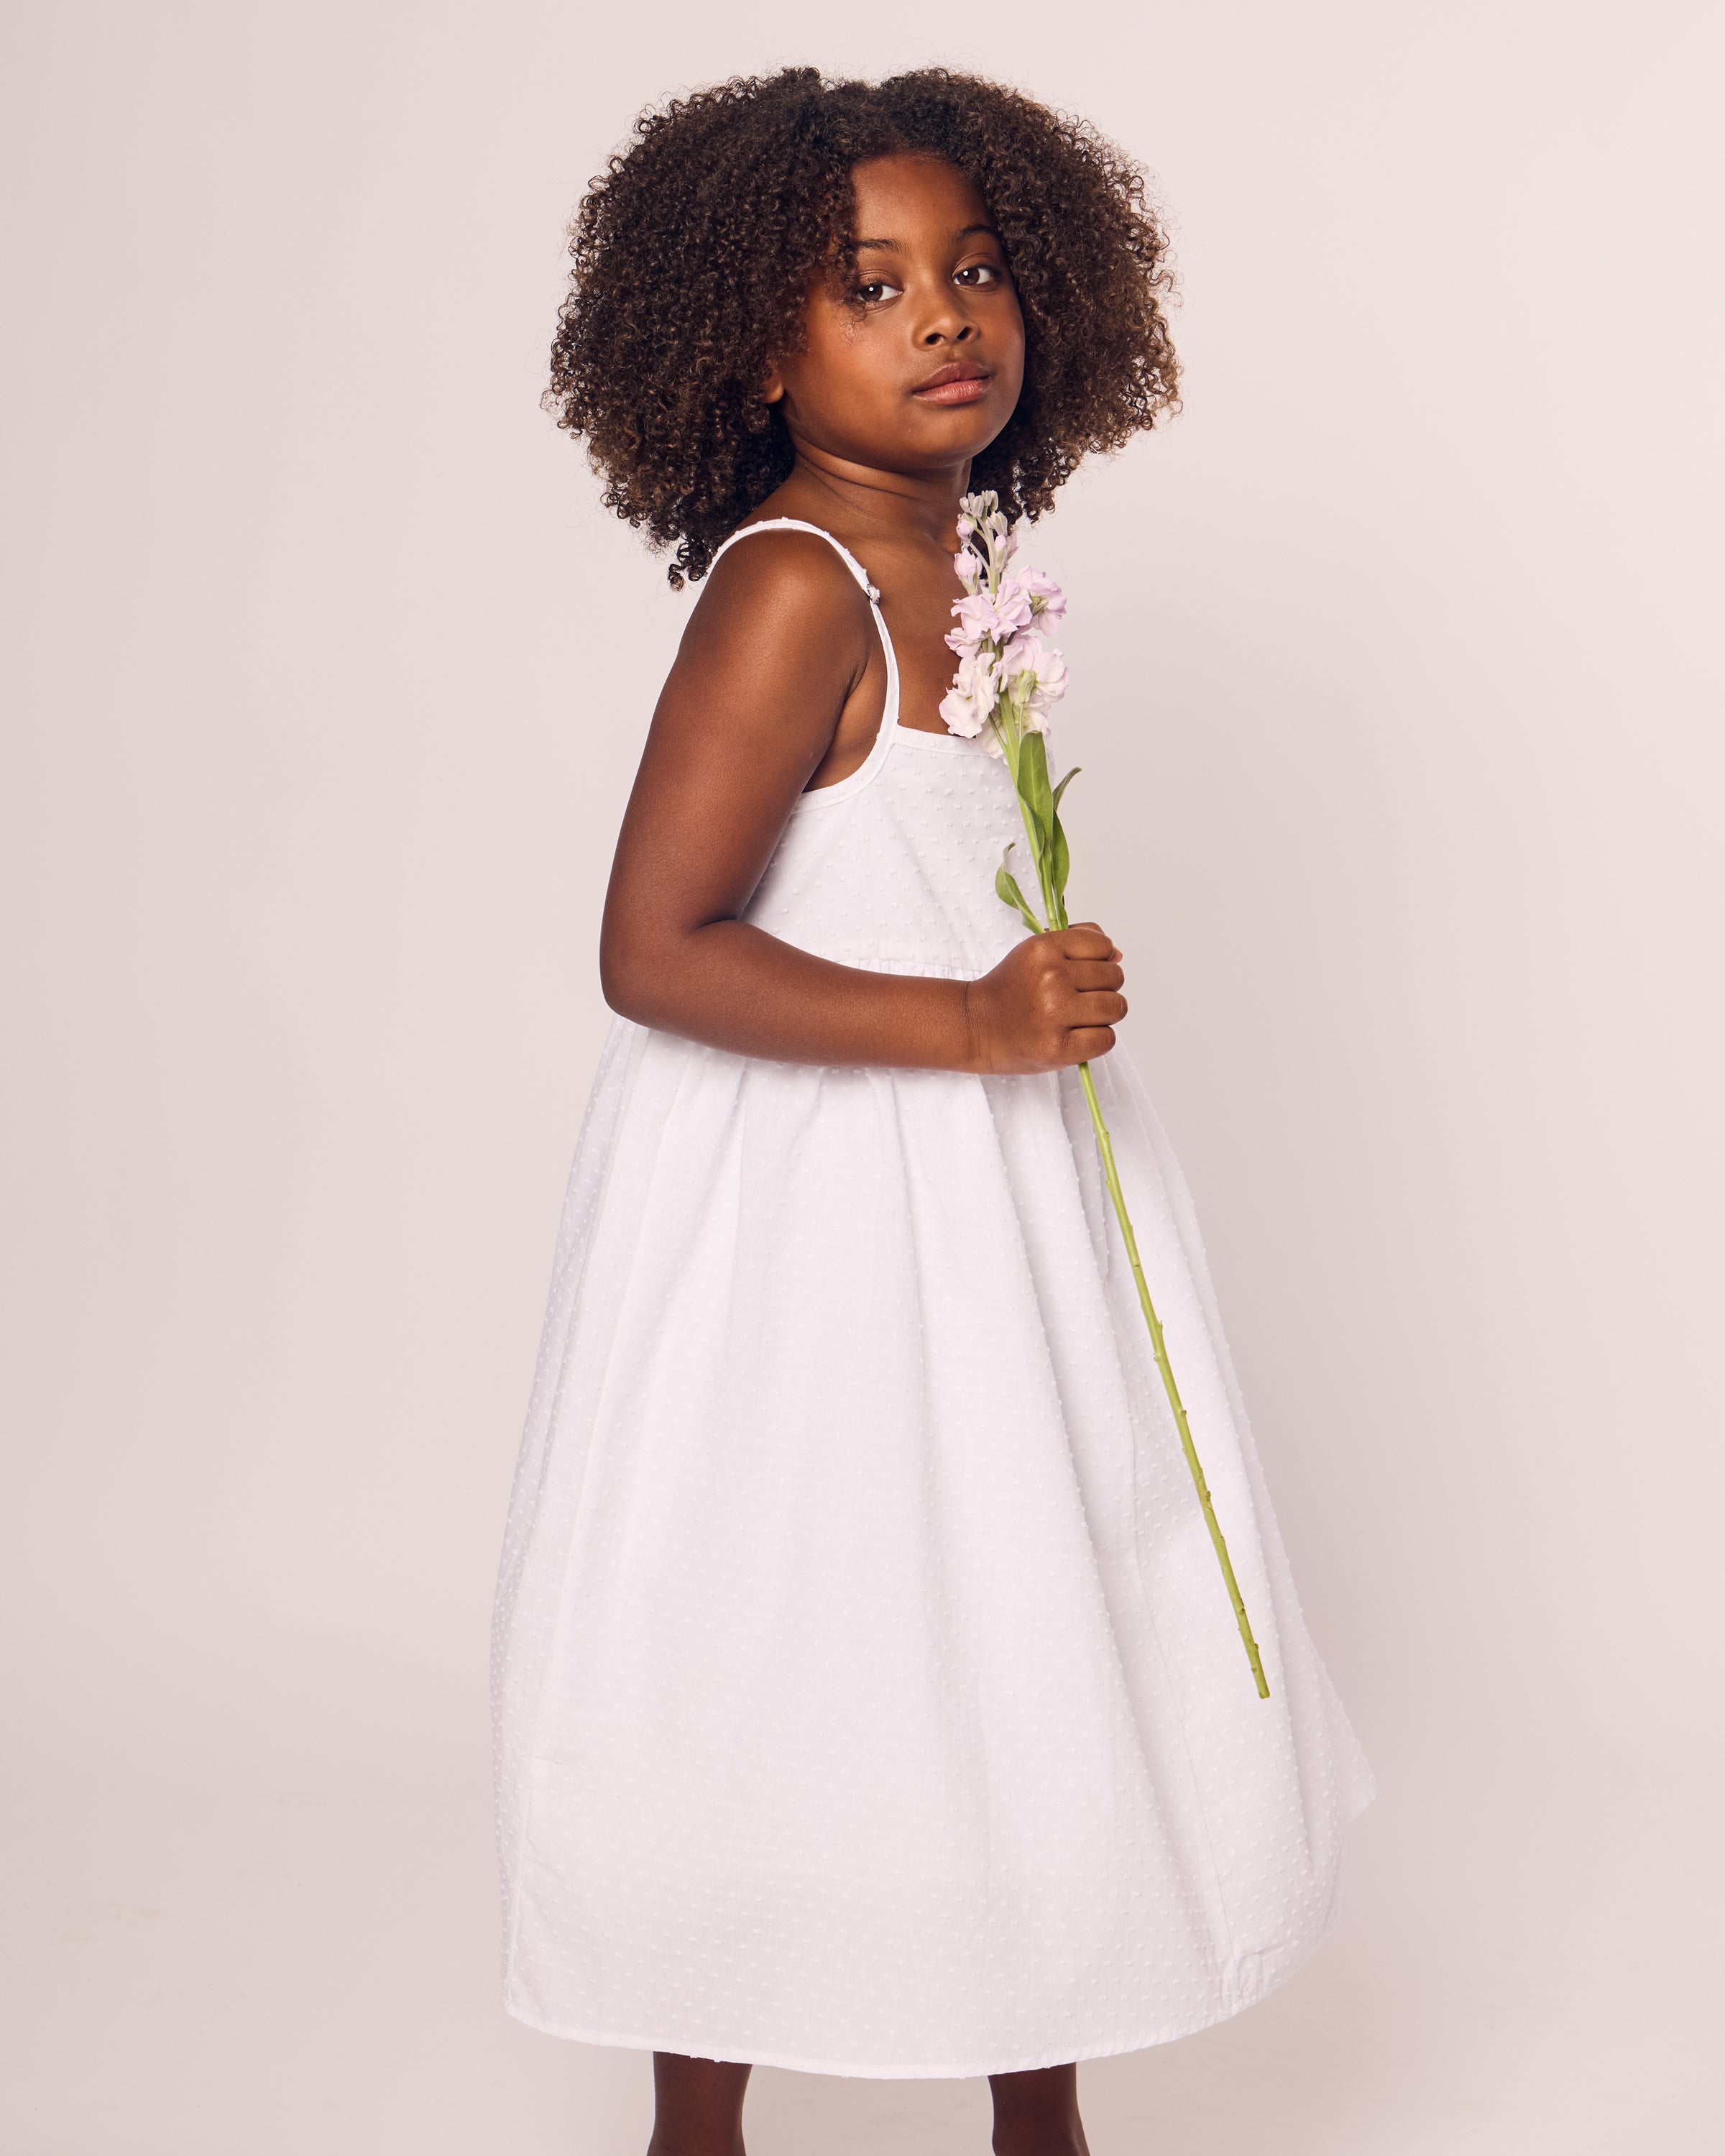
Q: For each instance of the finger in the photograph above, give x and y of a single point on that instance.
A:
(1084, 973)
(1114, 949)
(1085, 940)
(1086, 1042)
(1085, 1013)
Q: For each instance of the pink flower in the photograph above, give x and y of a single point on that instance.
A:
(1048, 602)
(984, 620)
(1032, 722)
(959, 715)
(968, 704)
(1012, 608)
(996, 640)
(975, 615)
(1046, 667)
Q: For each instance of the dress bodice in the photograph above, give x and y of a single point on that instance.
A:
(892, 868)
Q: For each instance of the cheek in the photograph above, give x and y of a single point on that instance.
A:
(836, 348)
(1014, 325)
(1004, 343)
(851, 361)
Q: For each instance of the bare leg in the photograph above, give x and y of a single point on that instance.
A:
(698, 2106)
(1036, 2114)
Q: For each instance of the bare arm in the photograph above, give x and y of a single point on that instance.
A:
(778, 647)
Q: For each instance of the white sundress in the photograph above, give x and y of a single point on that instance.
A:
(867, 1698)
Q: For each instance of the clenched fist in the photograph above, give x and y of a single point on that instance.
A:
(1053, 1001)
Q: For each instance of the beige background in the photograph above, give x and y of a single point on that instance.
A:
(1400, 699)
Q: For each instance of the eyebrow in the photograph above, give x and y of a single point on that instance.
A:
(893, 247)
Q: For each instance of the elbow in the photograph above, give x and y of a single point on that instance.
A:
(652, 972)
(622, 981)
(641, 968)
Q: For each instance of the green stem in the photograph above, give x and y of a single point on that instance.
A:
(1106, 1146)
(1054, 908)
(1011, 739)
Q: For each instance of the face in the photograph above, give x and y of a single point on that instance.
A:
(918, 366)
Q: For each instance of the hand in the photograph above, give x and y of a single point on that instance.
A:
(1053, 1001)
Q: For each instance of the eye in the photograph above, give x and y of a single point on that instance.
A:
(875, 291)
(974, 273)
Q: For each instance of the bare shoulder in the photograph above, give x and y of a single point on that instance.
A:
(788, 593)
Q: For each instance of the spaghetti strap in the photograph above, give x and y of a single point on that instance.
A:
(797, 524)
(889, 729)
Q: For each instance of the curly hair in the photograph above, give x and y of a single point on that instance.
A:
(694, 251)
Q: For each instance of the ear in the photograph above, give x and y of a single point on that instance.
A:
(772, 384)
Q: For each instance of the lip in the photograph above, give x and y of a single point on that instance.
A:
(961, 381)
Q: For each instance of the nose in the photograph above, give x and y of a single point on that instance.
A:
(947, 321)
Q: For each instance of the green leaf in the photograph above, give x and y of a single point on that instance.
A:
(1060, 861)
(1006, 889)
(1032, 786)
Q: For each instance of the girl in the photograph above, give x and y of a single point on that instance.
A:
(867, 1700)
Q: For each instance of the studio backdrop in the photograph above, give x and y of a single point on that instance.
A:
(1396, 682)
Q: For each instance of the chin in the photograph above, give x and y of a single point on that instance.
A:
(962, 430)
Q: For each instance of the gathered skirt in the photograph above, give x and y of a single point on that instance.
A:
(867, 1696)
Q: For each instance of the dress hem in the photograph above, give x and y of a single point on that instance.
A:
(851, 2070)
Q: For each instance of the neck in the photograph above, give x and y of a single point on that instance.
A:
(921, 503)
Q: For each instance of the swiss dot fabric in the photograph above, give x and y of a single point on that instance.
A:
(867, 1698)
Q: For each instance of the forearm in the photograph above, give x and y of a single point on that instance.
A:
(734, 987)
